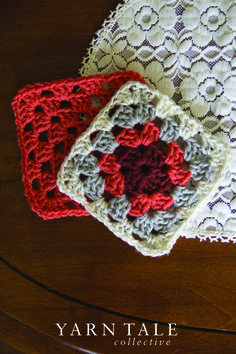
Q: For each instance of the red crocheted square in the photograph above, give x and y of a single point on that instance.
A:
(49, 118)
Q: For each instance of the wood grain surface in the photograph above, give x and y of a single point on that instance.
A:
(73, 270)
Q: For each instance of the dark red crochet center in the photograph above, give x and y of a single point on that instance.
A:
(144, 169)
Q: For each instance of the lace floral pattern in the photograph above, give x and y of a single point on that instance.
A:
(186, 49)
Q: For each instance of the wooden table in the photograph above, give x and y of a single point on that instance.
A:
(73, 270)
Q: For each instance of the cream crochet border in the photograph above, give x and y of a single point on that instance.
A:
(131, 93)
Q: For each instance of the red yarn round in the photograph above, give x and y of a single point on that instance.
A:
(175, 155)
(149, 133)
(142, 203)
(115, 184)
(129, 137)
(108, 163)
(139, 205)
(178, 175)
(142, 170)
(161, 201)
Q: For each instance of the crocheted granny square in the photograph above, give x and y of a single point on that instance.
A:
(144, 168)
(49, 118)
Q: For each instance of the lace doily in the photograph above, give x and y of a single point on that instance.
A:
(49, 118)
(186, 49)
(144, 168)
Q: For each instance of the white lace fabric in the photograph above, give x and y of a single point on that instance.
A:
(185, 49)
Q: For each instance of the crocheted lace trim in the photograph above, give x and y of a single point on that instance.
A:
(49, 118)
(98, 173)
(185, 49)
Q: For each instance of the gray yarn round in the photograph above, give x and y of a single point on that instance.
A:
(201, 169)
(192, 149)
(94, 187)
(128, 116)
(169, 130)
(143, 226)
(124, 117)
(184, 197)
(104, 142)
(118, 208)
(86, 164)
(163, 221)
(159, 221)
(145, 112)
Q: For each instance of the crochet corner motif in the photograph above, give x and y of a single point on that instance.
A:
(138, 169)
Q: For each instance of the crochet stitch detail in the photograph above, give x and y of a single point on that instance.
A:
(86, 164)
(118, 208)
(128, 116)
(49, 118)
(104, 142)
(149, 193)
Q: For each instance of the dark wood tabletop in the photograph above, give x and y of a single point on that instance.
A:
(73, 271)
